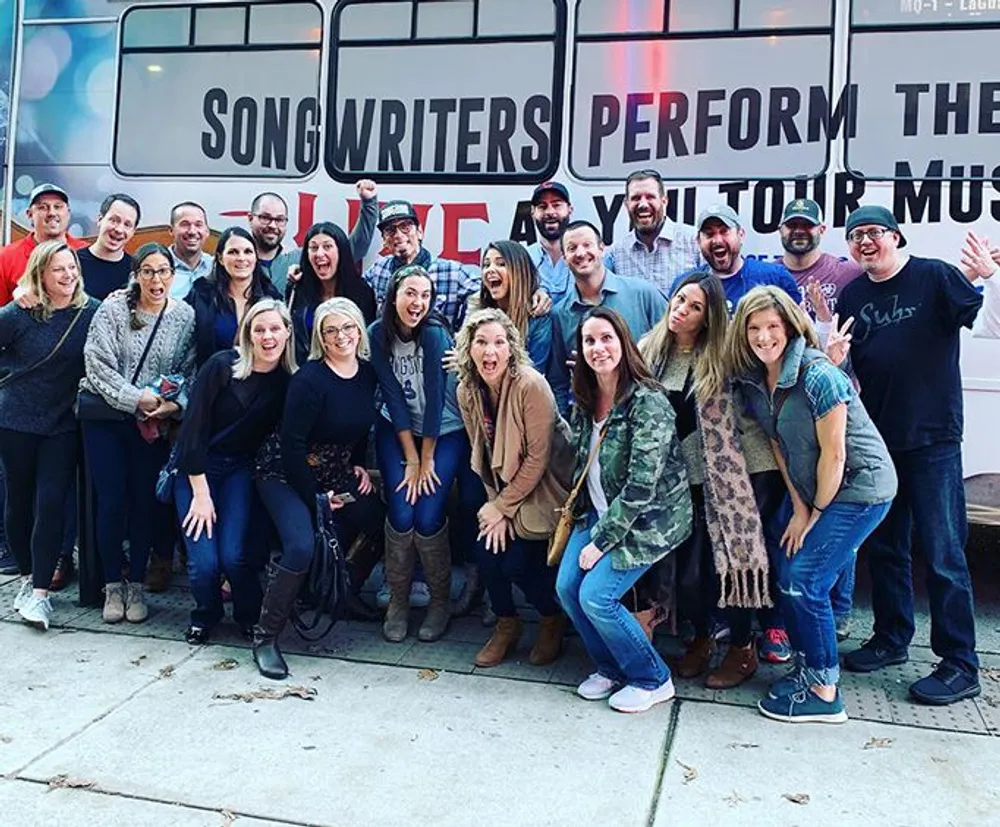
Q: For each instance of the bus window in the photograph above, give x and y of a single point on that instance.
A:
(924, 119)
(219, 91)
(105, 11)
(723, 104)
(409, 99)
(784, 14)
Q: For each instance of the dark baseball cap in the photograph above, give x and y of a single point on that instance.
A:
(804, 208)
(47, 189)
(551, 186)
(721, 212)
(396, 210)
(879, 216)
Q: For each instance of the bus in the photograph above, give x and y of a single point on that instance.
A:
(463, 106)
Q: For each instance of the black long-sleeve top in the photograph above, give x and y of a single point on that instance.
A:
(217, 401)
(324, 408)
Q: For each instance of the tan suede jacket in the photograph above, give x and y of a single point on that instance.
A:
(528, 474)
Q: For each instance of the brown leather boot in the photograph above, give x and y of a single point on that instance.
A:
(739, 664)
(696, 658)
(400, 558)
(435, 557)
(506, 634)
(548, 645)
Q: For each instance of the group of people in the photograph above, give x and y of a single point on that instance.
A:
(721, 443)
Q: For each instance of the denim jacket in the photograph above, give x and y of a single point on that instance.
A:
(643, 477)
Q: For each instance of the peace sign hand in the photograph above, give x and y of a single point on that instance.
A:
(814, 292)
(839, 342)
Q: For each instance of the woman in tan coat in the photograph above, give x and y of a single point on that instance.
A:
(521, 450)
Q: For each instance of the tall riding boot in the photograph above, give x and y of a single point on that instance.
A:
(361, 559)
(400, 559)
(282, 589)
(435, 557)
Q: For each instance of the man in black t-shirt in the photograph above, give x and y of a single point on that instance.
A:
(904, 349)
(104, 264)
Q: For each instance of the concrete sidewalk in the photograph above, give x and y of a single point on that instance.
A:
(111, 729)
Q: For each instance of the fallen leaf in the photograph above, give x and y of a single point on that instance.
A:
(427, 675)
(990, 672)
(316, 678)
(734, 799)
(742, 745)
(306, 693)
(308, 747)
(225, 664)
(227, 818)
(938, 760)
(83, 660)
(64, 781)
(5, 739)
(796, 798)
(167, 671)
(690, 773)
(878, 743)
(138, 660)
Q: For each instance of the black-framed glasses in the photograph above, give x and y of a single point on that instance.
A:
(159, 272)
(873, 234)
(277, 220)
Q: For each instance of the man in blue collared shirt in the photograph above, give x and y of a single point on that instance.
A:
(189, 227)
(638, 301)
(551, 211)
(656, 249)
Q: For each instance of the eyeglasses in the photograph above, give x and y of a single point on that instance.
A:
(873, 234)
(161, 272)
(402, 228)
(333, 332)
(278, 220)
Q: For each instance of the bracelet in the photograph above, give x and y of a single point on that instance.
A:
(817, 508)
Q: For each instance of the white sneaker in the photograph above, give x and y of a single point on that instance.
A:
(596, 687)
(26, 591)
(36, 611)
(636, 699)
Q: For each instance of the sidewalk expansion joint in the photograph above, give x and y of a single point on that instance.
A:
(668, 746)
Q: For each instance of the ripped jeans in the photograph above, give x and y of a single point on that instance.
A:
(808, 578)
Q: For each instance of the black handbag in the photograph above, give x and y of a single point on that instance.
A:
(328, 583)
(92, 407)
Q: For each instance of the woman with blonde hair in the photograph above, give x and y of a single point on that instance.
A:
(839, 475)
(235, 404)
(318, 463)
(522, 452)
(41, 359)
(725, 561)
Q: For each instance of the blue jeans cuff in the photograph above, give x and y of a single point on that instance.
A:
(821, 677)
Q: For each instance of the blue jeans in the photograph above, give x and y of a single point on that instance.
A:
(842, 596)
(231, 489)
(124, 468)
(428, 516)
(807, 580)
(522, 564)
(612, 636)
(930, 504)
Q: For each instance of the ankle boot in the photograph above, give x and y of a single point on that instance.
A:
(435, 557)
(504, 640)
(400, 558)
(738, 665)
(696, 658)
(282, 589)
(548, 645)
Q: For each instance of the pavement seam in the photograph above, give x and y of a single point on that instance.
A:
(203, 808)
(661, 770)
(113, 708)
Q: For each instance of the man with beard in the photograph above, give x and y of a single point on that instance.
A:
(551, 211)
(268, 219)
(905, 344)
(48, 211)
(817, 274)
(655, 249)
(721, 237)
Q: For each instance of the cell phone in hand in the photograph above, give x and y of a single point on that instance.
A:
(345, 498)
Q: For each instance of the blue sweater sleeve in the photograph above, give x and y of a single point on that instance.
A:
(558, 373)
(434, 341)
(392, 391)
(539, 342)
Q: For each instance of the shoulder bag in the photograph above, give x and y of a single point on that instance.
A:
(564, 527)
(93, 407)
(17, 374)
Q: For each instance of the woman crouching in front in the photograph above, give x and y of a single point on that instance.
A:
(839, 476)
(521, 451)
(634, 509)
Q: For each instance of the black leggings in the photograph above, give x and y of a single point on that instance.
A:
(39, 470)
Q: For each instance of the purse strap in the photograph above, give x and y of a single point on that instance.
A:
(586, 468)
(17, 374)
(149, 342)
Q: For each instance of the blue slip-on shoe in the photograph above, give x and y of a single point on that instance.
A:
(874, 655)
(803, 707)
(947, 684)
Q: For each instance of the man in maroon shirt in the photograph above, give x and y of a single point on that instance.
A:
(48, 210)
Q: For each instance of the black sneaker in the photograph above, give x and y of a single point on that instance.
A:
(8, 565)
(945, 685)
(874, 655)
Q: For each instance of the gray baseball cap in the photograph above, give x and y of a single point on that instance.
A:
(47, 189)
(721, 212)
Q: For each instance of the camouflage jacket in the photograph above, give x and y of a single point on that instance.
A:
(643, 477)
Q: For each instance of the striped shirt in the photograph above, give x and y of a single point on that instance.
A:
(674, 252)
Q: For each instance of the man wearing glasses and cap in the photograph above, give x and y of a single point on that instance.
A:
(48, 210)
(904, 350)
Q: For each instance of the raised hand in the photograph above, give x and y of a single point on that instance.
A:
(839, 343)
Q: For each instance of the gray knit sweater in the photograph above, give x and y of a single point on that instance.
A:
(113, 350)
